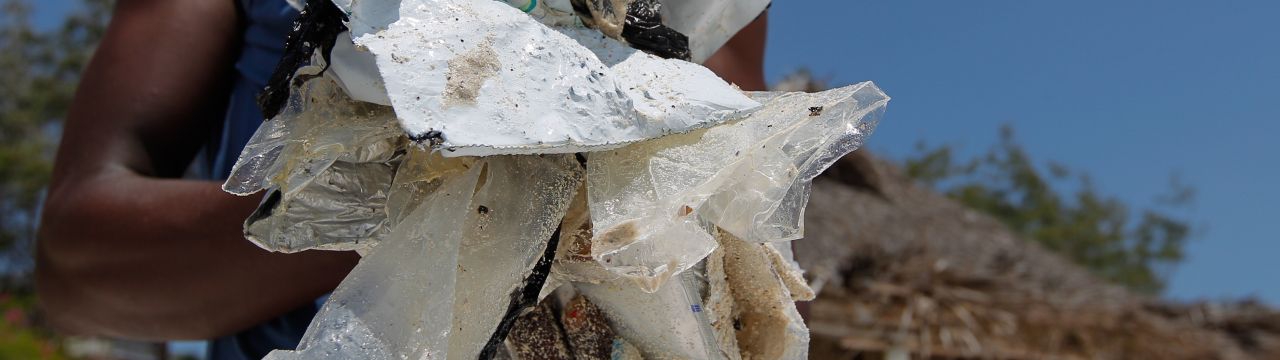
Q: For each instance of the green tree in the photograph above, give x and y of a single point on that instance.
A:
(1094, 230)
(39, 76)
(39, 70)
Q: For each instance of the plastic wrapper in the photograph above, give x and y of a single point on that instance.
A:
(343, 208)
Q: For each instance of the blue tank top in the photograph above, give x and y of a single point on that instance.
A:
(268, 23)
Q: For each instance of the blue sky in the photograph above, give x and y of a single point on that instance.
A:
(1127, 91)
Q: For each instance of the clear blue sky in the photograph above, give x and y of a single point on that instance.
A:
(1128, 91)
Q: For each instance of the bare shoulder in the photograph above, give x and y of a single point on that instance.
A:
(162, 67)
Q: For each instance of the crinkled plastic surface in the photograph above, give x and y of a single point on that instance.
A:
(650, 201)
(329, 179)
(289, 150)
(343, 208)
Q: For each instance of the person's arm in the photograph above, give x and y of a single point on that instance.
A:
(127, 250)
(741, 60)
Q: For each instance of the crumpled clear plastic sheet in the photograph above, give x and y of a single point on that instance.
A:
(650, 202)
(680, 236)
(315, 165)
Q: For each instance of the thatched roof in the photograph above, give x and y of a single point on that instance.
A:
(906, 272)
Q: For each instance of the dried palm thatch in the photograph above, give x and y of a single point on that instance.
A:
(904, 272)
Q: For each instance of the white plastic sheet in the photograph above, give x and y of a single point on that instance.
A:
(479, 77)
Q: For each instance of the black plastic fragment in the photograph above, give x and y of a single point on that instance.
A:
(524, 298)
(580, 7)
(815, 111)
(431, 137)
(645, 32)
(317, 27)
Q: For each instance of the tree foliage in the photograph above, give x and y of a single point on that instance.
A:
(40, 71)
(1095, 230)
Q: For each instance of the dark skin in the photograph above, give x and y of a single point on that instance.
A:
(741, 60)
(128, 250)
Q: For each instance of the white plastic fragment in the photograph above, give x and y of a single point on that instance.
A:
(356, 71)
(479, 77)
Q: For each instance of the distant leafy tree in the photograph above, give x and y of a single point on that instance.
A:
(1094, 230)
(39, 71)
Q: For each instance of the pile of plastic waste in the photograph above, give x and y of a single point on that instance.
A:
(510, 167)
